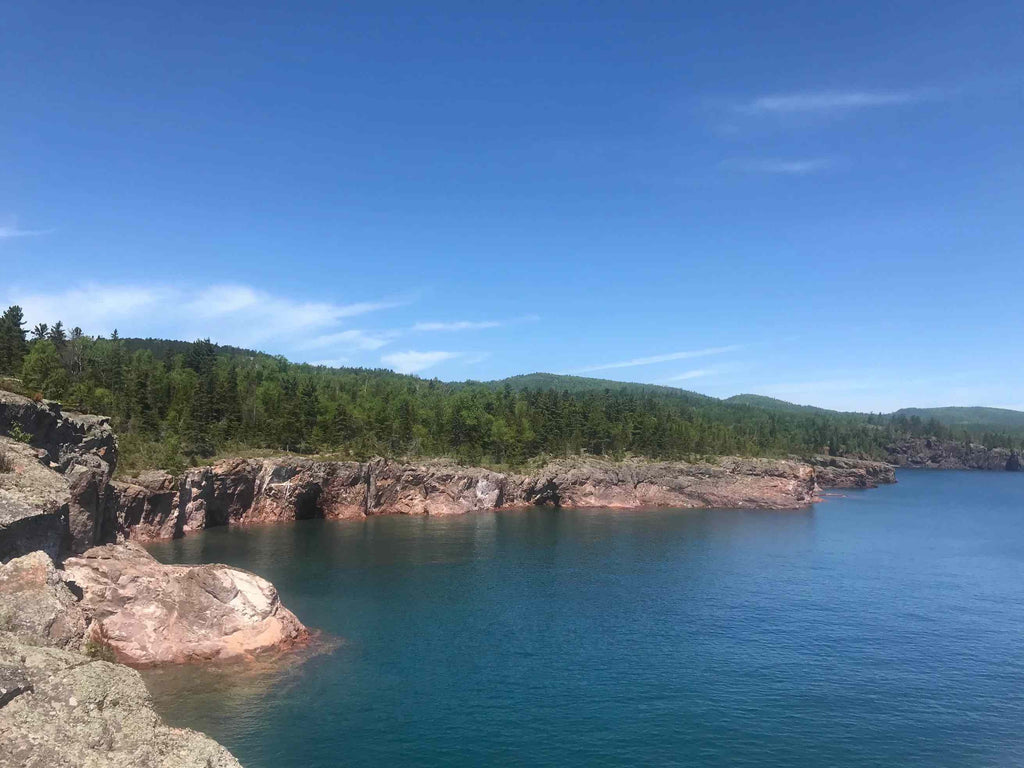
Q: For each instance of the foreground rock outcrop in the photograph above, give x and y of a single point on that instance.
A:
(62, 710)
(58, 707)
(37, 604)
(34, 505)
(927, 453)
(148, 613)
(81, 447)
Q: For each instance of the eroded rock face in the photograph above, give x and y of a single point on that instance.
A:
(79, 446)
(63, 435)
(37, 605)
(34, 505)
(837, 472)
(63, 710)
(148, 613)
(926, 453)
(147, 505)
(729, 483)
(245, 491)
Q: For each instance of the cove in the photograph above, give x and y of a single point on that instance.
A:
(876, 628)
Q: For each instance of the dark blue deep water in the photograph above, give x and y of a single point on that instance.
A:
(883, 628)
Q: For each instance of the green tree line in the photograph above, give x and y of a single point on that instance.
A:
(173, 404)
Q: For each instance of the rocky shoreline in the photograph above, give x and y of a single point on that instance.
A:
(77, 592)
(71, 605)
(245, 491)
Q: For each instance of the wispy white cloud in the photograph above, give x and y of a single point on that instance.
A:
(352, 339)
(472, 325)
(412, 361)
(659, 359)
(687, 375)
(832, 101)
(10, 230)
(461, 325)
(787, 167)
(228, 314)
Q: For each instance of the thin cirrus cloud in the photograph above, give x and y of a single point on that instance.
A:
(462, 325)
(354, 338)
(830, 102)
(472, 325)
(11, 231)
(699, 373)
(412, 361)
(659, 359)
(784, 167)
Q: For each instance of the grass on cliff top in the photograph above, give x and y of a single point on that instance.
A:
(138, 455)
(16, 386)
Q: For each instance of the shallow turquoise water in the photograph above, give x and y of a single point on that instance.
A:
(881, 628)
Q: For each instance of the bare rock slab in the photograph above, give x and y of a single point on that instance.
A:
(37, 605)
(34, 505)
(62, 710)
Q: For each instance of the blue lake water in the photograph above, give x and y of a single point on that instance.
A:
(880, 628)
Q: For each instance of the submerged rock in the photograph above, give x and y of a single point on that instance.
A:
(149, 613)
(63, 710)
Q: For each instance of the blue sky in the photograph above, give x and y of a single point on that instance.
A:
(818, 201)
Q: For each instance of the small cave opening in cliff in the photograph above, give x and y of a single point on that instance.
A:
(307, 504)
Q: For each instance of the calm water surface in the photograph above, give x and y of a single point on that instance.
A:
(882, 628)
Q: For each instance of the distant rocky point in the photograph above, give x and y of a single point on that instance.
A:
(927, 453)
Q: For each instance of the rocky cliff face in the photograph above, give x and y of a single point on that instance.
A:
(79, 446)
(57, 501)
(837, 472)
(34, 505)
(937, 454)
(239, 491)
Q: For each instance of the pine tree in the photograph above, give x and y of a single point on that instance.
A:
(57, 335)
(13, 347)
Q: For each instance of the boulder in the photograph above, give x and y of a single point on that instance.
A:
(149, 613)
(63, 710)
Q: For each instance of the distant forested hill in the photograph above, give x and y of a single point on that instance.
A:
(773, 404)
(991, 418)
(174, 402)
(168, 348)
(574, 384)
